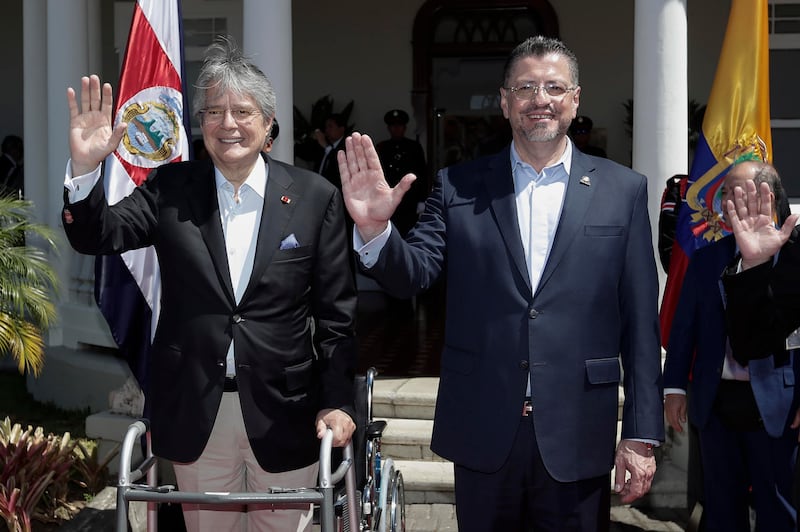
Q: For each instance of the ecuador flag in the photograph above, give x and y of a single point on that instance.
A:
(736, 124)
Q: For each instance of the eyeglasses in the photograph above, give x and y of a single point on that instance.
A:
(528, 91)
(216, 115)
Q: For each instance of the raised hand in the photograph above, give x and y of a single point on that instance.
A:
(368, 197)
(750, 216)
(92, 136)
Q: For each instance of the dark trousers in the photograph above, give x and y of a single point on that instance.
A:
(738, 455)
(522, 496)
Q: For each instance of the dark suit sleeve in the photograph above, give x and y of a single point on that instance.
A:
(764, 304)
(682, 338)
(643, 411)
(334, 302)
(406, 267)
(95, 228)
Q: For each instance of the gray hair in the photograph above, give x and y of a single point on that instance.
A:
(540, 46)
(766, 173)
(225, 68)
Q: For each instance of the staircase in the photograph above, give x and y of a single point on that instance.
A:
(408, 405)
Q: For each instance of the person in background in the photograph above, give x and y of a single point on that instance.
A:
(332, 141)
(581, 133)
(671, 199)
(400, 156)
(763, 288)
(550, 283)
(253, 357)
(743, 413)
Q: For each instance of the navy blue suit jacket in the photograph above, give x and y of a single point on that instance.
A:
(698, 339)
(596, 303)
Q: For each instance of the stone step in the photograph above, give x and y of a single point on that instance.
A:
(408, 439)
(427, 482)
(432, 483)
(415, 398)
(404, 398)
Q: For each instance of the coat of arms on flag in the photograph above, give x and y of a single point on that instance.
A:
(736, 126)
(151, 100)
(155, 119)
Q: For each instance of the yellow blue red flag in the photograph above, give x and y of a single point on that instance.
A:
(736, 124)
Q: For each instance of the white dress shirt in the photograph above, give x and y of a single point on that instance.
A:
(539, 199)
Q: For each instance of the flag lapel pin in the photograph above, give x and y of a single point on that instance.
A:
(286, 199)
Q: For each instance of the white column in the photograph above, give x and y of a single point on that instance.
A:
(660, 98)
(34, 103)
(67, 60)
(71, 52)
(268, 41)
(660, 119)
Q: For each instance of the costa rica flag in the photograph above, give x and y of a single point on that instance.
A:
(151, 100)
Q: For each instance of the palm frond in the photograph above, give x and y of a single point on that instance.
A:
(27, 284)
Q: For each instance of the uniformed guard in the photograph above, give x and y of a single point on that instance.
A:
(399, 156)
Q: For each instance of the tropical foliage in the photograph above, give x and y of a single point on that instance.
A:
(27, 284)
(30, 463)
(305, 146)
(38, 473)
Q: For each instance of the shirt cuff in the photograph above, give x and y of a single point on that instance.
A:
(79, 187)
(677, 391)
(654, 443)
(369, 252)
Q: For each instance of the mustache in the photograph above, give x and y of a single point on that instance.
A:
(533, 108)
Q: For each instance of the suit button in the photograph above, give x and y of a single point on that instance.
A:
(221, 363)
(533, 313)
(523, 364)
(236, 318)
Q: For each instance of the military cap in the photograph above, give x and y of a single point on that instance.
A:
(581, 123)
(396, 116)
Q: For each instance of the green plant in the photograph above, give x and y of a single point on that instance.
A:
(305, 146)
(91, 469)
(27, 282)
(30, 463)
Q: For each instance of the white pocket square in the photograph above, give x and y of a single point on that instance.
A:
(290, 242)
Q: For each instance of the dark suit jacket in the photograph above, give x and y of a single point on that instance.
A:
(697, 344)
(330, 166)
(292, 329)
(398, 158)
(764, 303)
(596, 303)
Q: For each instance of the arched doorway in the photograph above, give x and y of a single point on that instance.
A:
(460, 48)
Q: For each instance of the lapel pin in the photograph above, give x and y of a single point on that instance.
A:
(286, 199)
(586, 181)
(68, 216)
